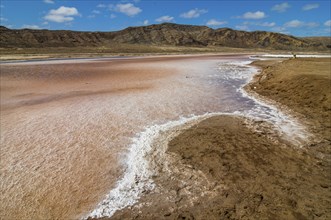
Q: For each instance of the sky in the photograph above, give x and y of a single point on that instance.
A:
(295, 17)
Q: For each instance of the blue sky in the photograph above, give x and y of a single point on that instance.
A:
(299, 18)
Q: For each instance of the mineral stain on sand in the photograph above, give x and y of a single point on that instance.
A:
(53, 173)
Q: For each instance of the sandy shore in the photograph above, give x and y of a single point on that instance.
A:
(303, 85)
(229, 167)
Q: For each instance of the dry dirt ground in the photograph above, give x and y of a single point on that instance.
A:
(225, 169)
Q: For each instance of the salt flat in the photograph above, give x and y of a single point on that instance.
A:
(66, 126)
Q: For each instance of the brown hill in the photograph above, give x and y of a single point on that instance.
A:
(326, 41)
(161, 34)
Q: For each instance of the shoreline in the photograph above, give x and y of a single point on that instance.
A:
(311, 101)
(24, 58)
(120, 56)
(137, 58)
(180, 204)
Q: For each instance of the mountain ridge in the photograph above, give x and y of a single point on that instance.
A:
(160, 35)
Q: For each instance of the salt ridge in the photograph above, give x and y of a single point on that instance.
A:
(290, 56)
(138, 176)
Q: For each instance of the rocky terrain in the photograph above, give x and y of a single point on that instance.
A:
(166, 34)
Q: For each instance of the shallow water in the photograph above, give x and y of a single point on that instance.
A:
(60, 156)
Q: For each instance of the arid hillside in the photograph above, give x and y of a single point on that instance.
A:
(166, 34)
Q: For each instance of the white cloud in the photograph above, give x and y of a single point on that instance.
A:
(58, 18)
(328, 23)
(254, 15)
(297, 24)
(311, 24)
(101, 6)
(96, 12)
(194, 13)
(2, 19)
(281, 7)
(262, 24)
(49, 1)
(165, 18)
(310, 7)
(214, 22)
(246, 26)
(145, 22)
(267, 24)
(294, 24)
(112, 16)
(128, 9)
(280, 29)
(62, 14)
(36, 27)
(242, 27)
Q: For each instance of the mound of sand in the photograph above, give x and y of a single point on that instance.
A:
(304, 85)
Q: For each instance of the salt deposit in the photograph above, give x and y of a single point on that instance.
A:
(291, 56)
(232, 75)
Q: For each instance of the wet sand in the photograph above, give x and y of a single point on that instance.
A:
(66, 126)
(50, 172)
(230, 167)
